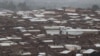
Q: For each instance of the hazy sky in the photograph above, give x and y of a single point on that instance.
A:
(60, 3)
(72, 3)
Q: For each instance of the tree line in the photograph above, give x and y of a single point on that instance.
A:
(12, 6)
(25, 6)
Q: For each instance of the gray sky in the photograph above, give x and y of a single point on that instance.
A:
(72, 3)
(60, 3)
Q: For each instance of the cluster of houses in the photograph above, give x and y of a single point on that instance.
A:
(50, 32)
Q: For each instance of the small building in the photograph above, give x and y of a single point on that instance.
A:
(53, 30)
(88, 52)
(67, 53)
(72, 47)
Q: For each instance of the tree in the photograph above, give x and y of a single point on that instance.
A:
(11, 6)
(8, 5)
(4, 5)
(23, 6)
(95, 7)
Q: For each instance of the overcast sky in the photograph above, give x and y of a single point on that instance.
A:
(60, 3)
